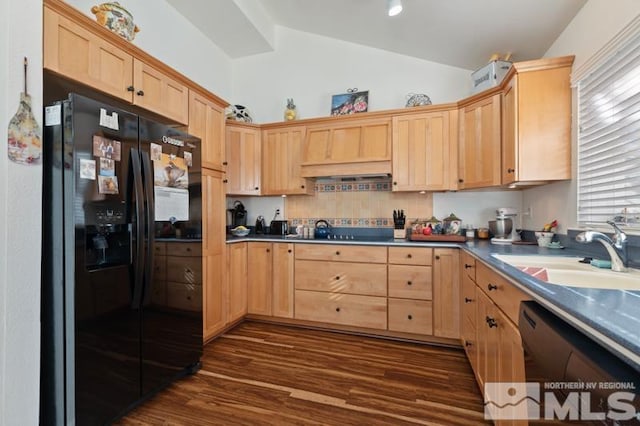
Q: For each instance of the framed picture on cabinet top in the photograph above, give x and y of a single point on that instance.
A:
(350, 103)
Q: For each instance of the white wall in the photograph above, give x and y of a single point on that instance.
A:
(169, 37)
(478, 207)
(596, 23)
(311, 68)
(20, 219)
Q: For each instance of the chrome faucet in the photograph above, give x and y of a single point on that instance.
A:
(616, 246)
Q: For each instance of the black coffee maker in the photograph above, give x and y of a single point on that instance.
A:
(237, 215)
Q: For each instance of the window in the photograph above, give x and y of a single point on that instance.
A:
(609, 138)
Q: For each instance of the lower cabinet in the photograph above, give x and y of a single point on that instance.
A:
(489, 330)
(237, 282)
(345, 309)
(446, 293)
(411, 316)
(270, 279)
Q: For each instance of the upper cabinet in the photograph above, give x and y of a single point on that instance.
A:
(479, 143)
(347, 146)
(243, 152)
(536, 122)
(81, 55)
(424, 151)
(206, 121)
(281, 159)
(157, 92)
(79, 49)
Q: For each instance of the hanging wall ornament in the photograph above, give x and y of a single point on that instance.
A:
(25, 146)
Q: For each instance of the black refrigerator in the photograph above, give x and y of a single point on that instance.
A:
(119, 320)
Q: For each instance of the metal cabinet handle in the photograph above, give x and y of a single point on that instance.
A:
(338, 309)
(337, 253)
(467, 266)
(289, 251)
(337, 277)
(437, 257)
(491, 322)
(410, 317)
(409, 256)
(467, 343)
(140, 93)
(130, 89)
(467, 300)
(510, 170)
(492, 287)
(409, 282)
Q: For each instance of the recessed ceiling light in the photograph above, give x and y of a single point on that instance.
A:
(395, 7)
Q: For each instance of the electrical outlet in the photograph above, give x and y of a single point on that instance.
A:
(528, 212)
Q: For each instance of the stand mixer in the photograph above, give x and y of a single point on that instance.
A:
(504, 217)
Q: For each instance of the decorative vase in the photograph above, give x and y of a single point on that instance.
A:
(290, 112)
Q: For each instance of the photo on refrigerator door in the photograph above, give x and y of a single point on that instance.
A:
(171, 172)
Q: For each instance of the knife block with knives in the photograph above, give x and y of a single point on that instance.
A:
(399, 219)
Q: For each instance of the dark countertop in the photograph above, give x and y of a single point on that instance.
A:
(610, 317)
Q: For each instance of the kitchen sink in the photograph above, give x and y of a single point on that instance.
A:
(568, 271)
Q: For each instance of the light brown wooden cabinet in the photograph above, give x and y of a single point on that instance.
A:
(260, 278)
(243, 157)
(207, 121)
(446, 293)
(341, 284)
(348, 146)
(237, 282)
(270, 279)
(536, 122)
(423, 145)
(213, 254)
(80, 52)
(281, 162)
(283, 294)
(480, 143)
(489, 331)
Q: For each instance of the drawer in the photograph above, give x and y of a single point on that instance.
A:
(345, 309)
(502, 292)
(410, 282)
(186, 297)
(159, 249)
(411, 255)
(469, 299)
(159, 292)
(411, 316)
(341, 253)
(468, 264)
(184, 249)
(341, 277)
(160, 267)
(184, 269)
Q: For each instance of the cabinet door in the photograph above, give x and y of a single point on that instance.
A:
(283, 280)
(237, 291)
(479, 152)
(82, 56)
(206, 121)
(488, 340)
(446, 293)
(281, 160)
(243, 160)
(259, 275)
(213, 253)
(421, 155)
(511, 363)
(160, 93)
(509, 129)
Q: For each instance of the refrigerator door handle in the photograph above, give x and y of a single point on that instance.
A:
(149, 201)
(140, 221)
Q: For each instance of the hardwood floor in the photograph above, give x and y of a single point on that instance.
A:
(262, 373)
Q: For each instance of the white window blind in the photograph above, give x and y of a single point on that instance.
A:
(609, 139)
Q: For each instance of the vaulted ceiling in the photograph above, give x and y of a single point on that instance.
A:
(461, 33)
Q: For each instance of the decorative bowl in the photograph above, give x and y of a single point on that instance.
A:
(417, 99)
(240, 232)
(117, 19)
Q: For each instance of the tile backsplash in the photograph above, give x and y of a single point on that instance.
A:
(360, 203)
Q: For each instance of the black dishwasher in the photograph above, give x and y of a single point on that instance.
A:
(579, 381)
